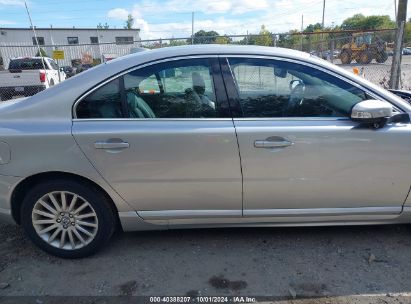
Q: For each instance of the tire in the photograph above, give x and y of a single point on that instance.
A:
(382, 57)
(97, 218)
(51, 82)
(365, 57)
(345, 57)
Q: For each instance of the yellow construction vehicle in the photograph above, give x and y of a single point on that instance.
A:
(363, 48)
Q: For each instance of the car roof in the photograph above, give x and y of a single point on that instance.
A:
(210, 49)
(74, 87)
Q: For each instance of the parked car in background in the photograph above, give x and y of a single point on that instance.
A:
(68, 70)
(203, 136)
(83, 67)
(406, 51)
(326, 54)
(28, 76)
(108, 57)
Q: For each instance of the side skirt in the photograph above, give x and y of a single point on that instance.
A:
(175, 219)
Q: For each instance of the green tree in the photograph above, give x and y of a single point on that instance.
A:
(104, 26)
(223, 40)
(407, 35)
(313, 27)
(264, 37)
(361, 22)
(203, 37)
(129, 23)
(174, 42)
(41, 53)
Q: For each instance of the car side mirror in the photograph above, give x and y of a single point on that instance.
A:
(374, 113)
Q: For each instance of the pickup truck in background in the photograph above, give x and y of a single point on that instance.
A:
(28, 76)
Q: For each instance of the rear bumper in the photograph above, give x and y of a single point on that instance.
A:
(6, 217)
(9, 92)
(7, 185)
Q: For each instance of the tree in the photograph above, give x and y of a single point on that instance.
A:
(203, 37)
(41, 53)
(264, 37)
(361, 22)
(223, 40)
(129, 23)
(104, 26)
(289, 40)
(407, 36)
(174, 42)
(313, 27)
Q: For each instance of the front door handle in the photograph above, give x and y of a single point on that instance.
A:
(273, 142)
(111, 145)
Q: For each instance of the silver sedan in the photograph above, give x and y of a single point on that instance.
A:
(202, 136)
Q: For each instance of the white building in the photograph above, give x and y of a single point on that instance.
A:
(78, 44)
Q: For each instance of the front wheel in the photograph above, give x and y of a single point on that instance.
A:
(345, 57)
(67, 219)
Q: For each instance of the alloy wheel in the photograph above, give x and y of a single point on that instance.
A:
(64, 220)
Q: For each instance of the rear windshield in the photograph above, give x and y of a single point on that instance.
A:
(26, 64)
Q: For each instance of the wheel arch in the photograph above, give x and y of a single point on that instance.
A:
(23, 186)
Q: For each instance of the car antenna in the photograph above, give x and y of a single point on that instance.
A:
(37, 41)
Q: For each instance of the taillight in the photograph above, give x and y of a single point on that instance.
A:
(42, 76)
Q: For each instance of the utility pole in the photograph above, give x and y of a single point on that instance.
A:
(399, 41)
(395, 9)
(302, 29)
(192, 28)
(322, 27)
(323, 15)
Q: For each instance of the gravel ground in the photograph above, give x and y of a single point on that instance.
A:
(379, 73)
(296, 265)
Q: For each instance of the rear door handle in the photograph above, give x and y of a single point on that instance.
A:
(273, 142)
(111, 145)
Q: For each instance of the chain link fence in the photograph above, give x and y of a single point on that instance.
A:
(367, 53)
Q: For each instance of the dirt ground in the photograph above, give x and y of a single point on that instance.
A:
(369, 264)
(380, 73)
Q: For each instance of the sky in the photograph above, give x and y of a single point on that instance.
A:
(172, 18)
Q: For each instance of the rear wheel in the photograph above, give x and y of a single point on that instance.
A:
(345, 57)
(67, 219)
(365, 57)
(381, 57)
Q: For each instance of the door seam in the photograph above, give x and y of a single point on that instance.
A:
(241, 169)
(236, 136)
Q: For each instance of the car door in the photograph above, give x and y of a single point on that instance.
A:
(300, 152)
(162, 136)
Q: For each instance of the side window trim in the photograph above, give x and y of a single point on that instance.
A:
(124, 107)
(366, 90)
(231, 89)
(231, 85)
(222, 101)
(219, 88)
